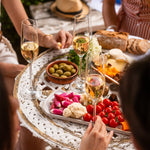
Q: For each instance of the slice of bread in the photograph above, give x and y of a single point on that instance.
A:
(143, 46)
(137, 46)
(110, 39)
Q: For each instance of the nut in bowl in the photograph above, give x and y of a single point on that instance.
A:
(62, 71)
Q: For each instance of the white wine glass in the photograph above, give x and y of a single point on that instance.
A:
(95, 80)
(29, 45)
(81, 37)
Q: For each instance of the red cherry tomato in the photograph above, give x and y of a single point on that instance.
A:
(115, 103)
(108, 110)
(102, 105)
(105, 120)
(113, 123)
(98, 109)
(120, 118)
(115, 107)
(90, 108)
(118, 112)
(102, 114)
(107, 102)
(87, 117)
(111, 116)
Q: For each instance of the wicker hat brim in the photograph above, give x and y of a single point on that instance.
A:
(84, 12)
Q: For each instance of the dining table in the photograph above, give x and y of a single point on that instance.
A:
(57, 133)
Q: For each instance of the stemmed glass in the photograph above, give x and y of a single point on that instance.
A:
(81, 37)
(95, 80)
(29, 45)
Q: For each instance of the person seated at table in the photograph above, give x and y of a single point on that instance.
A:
(9, 122)
(135, 101)
(134, 96)
(133, 17)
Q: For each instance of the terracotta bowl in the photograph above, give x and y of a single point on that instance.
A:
(60, 80)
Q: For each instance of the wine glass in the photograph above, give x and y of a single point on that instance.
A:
(29, 45)
(81, 37)
(95, 80)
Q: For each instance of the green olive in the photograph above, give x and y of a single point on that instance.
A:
(62, 64)
(51, 70)
(71, 66)
(60, 72)
(67, 68)
(55, 66)
(55, 74)
(73, 71)
(63, 76)
(67, 73)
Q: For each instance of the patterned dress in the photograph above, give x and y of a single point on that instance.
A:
(134, 17)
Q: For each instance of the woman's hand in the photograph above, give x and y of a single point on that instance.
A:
(65, 38)
(10, 71)
(96, 138)
(53, 42)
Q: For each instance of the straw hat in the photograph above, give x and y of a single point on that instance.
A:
(69, 8)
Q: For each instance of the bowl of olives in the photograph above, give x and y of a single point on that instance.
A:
(62, 71)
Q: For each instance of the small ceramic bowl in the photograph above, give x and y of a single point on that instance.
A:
(60, 80)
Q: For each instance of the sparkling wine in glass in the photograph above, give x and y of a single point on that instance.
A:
(29, 45)
(81, 37)
(95, 81)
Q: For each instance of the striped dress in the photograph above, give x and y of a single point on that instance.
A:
(134, 18)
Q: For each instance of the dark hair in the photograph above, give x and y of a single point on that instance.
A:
(135, 98)
(5, 118)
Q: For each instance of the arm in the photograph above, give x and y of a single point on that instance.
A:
(17, 13)
(109, 14)
(96, 138)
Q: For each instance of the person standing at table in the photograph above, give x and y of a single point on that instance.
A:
(8, 58)
(133, 17)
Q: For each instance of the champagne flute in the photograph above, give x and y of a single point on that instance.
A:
(29, 45)
(95, 81)
(81, 37)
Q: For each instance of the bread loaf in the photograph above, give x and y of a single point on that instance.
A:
(110, 39)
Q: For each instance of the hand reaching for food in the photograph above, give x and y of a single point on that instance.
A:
(96, 138)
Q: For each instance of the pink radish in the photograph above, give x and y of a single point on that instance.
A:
(57, 103)
(70, 95)
(63, 94)
(75, 99)
(52, 106)
(77, 96)
(66, 103)
(56, 111)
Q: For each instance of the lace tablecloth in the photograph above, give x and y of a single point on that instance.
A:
(57, 133)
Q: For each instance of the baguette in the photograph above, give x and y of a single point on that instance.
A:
(110, 39)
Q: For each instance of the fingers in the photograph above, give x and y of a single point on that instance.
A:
(68, 40)
(65, 38)
(98, 124)
(88, 130)
(109, 137)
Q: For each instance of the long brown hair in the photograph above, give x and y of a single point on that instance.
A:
(5, 117)
(135, 98)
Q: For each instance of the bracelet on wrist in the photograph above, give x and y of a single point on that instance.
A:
(112, 27)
